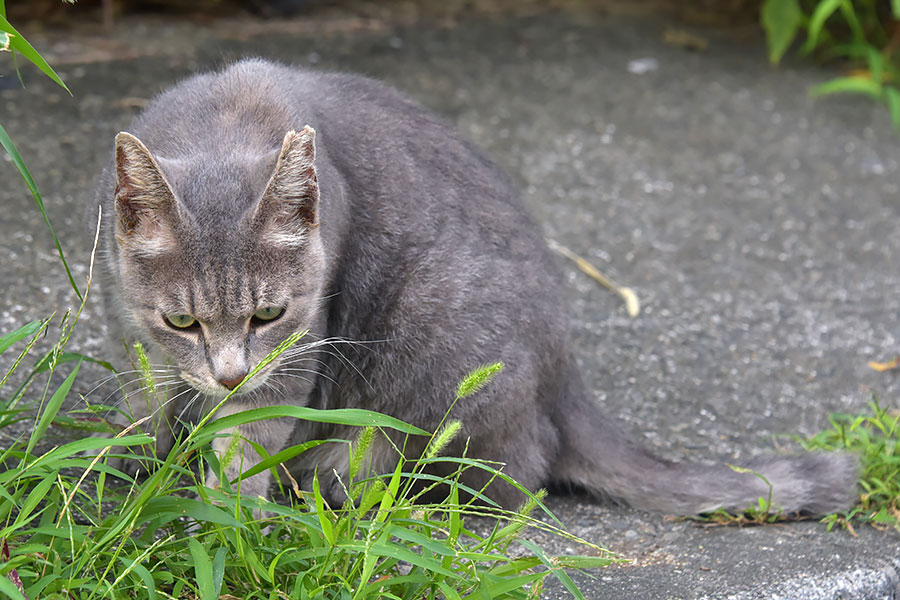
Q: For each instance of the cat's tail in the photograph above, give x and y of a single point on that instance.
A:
(598, 457)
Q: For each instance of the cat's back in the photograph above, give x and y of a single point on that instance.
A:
(253, 102)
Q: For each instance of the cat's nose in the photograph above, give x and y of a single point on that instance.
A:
(233, 382)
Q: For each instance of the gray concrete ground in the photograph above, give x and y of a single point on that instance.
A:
(758, 225)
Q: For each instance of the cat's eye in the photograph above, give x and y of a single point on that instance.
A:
(180, 321)
(268, 313)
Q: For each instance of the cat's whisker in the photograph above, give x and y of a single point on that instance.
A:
(115, 376)
(291, 371)
(323, 366)
(270, 385)
(164, 382)
(351, 364)
(188, 405)
(301, 377)
(127, 396)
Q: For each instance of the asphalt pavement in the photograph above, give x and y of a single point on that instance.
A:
(759, 226)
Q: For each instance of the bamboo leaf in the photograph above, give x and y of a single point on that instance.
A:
(781, 19)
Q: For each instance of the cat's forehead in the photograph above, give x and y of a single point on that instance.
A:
(219, 186)
(213, 295)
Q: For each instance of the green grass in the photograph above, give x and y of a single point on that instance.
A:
(69, 529)
(874, 437)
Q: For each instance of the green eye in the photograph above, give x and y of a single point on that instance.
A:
(269, 313)
(180, 321)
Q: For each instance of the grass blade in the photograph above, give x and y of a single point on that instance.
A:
(823, 11)
(13, 152)
(19, 334)
(218, 571)
(21, 45)
(862, 85)
(52, 408)
(10, 589)
(324, 521)
(554, 568)
(892, 97)
(202, 570)
(144, 575)
(343, 416)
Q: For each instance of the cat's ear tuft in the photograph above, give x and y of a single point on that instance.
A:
(144, 199)
(289, 205)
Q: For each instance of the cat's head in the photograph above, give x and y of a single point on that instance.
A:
(219, 259)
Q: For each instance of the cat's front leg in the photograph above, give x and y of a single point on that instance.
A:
(236, 454)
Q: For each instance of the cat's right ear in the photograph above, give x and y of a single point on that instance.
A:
(144, 199)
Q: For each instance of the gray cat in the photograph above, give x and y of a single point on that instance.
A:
(262, 200)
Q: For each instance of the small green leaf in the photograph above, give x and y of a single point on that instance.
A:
(53, 406)
(19, 334)
(883, 516)
(895, 8)
(21, 45)
(175, 507)
(823, 11)
(781, 19)
(324, 521)
(554, 568)
(858, 85)
(218, 571)
(584, 562)
(892, 97)
(202, 570)
(143, 574)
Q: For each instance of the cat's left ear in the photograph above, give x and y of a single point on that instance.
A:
(289, 206)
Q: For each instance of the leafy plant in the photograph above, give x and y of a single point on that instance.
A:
(863, 32)
(875, 438)
(65, 529)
